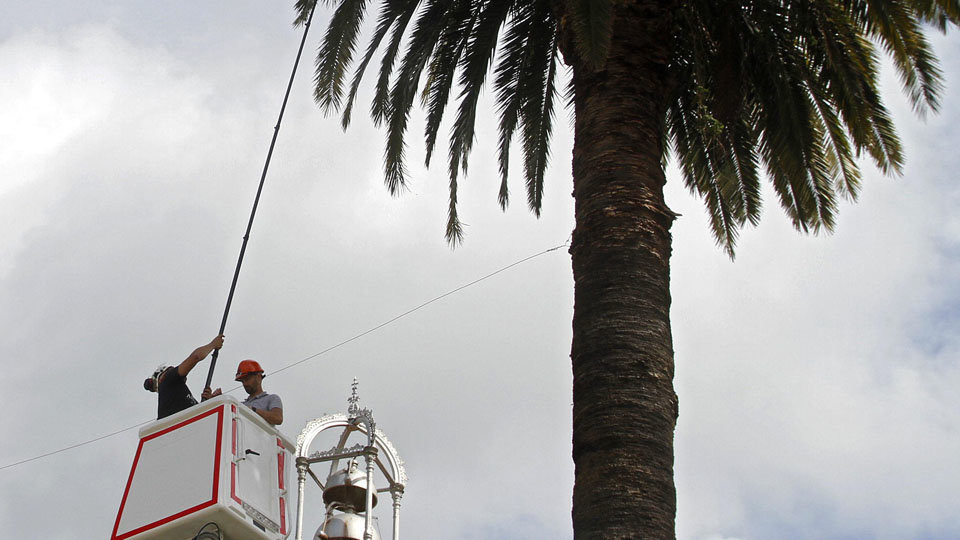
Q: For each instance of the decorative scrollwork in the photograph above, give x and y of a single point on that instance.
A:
(260, 518)
(394, 457)
(314, 426)
(354, 399)
(334, 451)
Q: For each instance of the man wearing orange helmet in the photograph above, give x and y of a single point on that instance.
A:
(266, 405)
(170, 382)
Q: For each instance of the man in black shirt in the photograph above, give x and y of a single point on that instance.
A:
(170, 383)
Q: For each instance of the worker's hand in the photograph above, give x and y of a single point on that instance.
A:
(217, 342)
(207, 394)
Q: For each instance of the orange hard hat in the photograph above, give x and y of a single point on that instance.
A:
(246, 368)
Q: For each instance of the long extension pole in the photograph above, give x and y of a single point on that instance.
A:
(256, 201)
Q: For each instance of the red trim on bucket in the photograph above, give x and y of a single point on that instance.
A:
(216, 476)
(280, 474)
(233, 462)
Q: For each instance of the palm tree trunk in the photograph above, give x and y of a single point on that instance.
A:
(624, 405)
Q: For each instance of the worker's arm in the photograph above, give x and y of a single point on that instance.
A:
(273, 416)
(199, 354)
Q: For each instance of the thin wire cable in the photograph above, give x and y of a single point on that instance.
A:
(421, 306)
(311, 357)
(71, 447)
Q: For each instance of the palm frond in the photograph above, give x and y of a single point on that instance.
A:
(938, 12)
(713, 132)
(592, 22)
(898, 29)
(404, 9)
(336, 53)
(303, 9)
(385, 22)
(510, 68)
(704, 170)
(474, 66)
(525, 87)
(458, 21)
(536, 115)
(426, 31)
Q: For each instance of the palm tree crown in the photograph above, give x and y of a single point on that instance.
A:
(791, 86)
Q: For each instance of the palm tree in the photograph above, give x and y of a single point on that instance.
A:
(732, 90)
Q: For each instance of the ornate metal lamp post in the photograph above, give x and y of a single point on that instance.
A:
(347, 491)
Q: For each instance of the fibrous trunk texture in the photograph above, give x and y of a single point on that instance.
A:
(625, 407)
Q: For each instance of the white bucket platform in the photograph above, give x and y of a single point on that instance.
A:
(216, 462)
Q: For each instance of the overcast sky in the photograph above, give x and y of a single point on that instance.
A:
(816, 375)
